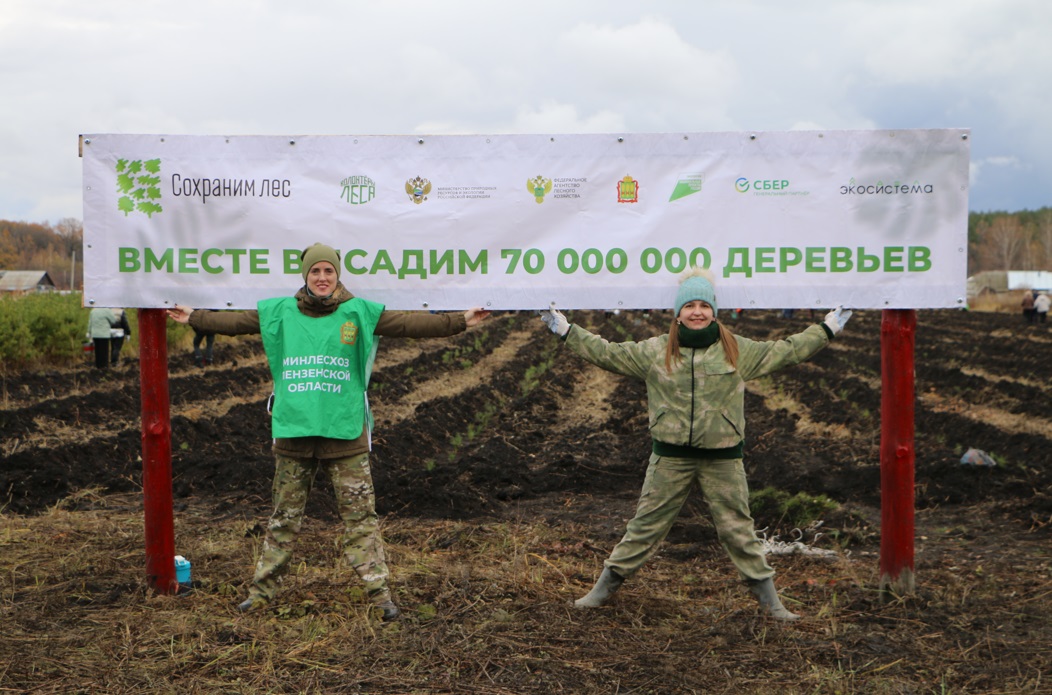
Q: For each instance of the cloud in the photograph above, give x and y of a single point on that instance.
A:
(469, 66)
(552, 117)
(976, 167)
(649, 74)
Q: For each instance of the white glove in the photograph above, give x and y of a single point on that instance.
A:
(555, 321)
(837, 319)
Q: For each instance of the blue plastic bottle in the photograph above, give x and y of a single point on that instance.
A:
(182, 572)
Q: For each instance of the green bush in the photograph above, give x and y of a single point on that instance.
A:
(180, 337)
(50, 330)
(797, 510)
(40, 329)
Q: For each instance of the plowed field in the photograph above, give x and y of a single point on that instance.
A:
(506, 469)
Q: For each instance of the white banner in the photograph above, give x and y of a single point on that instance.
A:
(867, 219)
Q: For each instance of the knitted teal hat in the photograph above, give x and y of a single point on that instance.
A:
(697, 285)
(319, 252)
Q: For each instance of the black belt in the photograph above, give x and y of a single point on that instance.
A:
(692, 452)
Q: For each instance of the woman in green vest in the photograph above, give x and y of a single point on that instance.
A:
(320, 344)
(695, 376)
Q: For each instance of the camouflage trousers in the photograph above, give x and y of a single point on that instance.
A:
(363, 548)
(665, 488)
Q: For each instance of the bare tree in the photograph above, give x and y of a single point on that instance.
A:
(1043, 237)
(1003, 243)
(71, 231)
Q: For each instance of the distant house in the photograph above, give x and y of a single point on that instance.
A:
(1008, 280)
(26, 281)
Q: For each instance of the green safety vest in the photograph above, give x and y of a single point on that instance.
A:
(321, 367)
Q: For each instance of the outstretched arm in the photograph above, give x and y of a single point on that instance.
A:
(475, 316)
(420, 324)
(221, 322)
(759, 358)
(628, 358)
(180, 313)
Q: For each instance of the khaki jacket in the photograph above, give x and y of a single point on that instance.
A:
(392, 324)
(100, 321)
(701, 403)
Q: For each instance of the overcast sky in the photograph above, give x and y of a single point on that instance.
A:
(270, 67)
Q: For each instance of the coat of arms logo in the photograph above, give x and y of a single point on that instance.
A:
(418, 189)
(628, 190)
(539, 187)
(349, 333)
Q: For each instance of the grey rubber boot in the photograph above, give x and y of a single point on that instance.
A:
(606, 586)
(251, 603)
(389, 611)
(765, 593)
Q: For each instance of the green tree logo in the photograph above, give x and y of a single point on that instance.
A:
(139, 184)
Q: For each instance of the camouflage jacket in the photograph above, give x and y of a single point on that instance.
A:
(701, 403)
(394, 324)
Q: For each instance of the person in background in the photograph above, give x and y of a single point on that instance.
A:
(209, 339)
(101, 322)
(1041, 305)
(320, 344)
(121, 333)
(1028, 306)
(695, 377)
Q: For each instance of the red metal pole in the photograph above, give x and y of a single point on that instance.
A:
(897, 332)
(156, 451)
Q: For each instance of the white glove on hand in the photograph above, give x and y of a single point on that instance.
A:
(837, 319)
(555, 321)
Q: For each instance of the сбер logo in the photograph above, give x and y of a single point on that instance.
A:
(418, 189)
(139, 184)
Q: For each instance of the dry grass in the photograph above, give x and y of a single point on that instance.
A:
(487, 610)
(1004, 302)
(777, 399)
(445, 385)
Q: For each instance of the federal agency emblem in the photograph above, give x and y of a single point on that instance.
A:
(418, 189)
(349, 333)
(539, 187)
(628, 190)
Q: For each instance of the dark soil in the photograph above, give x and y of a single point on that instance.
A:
(510, 445)
(514, 458)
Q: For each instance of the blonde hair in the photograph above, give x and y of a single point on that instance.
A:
(672, 356)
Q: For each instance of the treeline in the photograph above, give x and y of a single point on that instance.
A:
(59, 250)
(1010, 240)
(996, 241)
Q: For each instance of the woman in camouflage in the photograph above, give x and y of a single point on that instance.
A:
(320, 345)
(695, 377)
